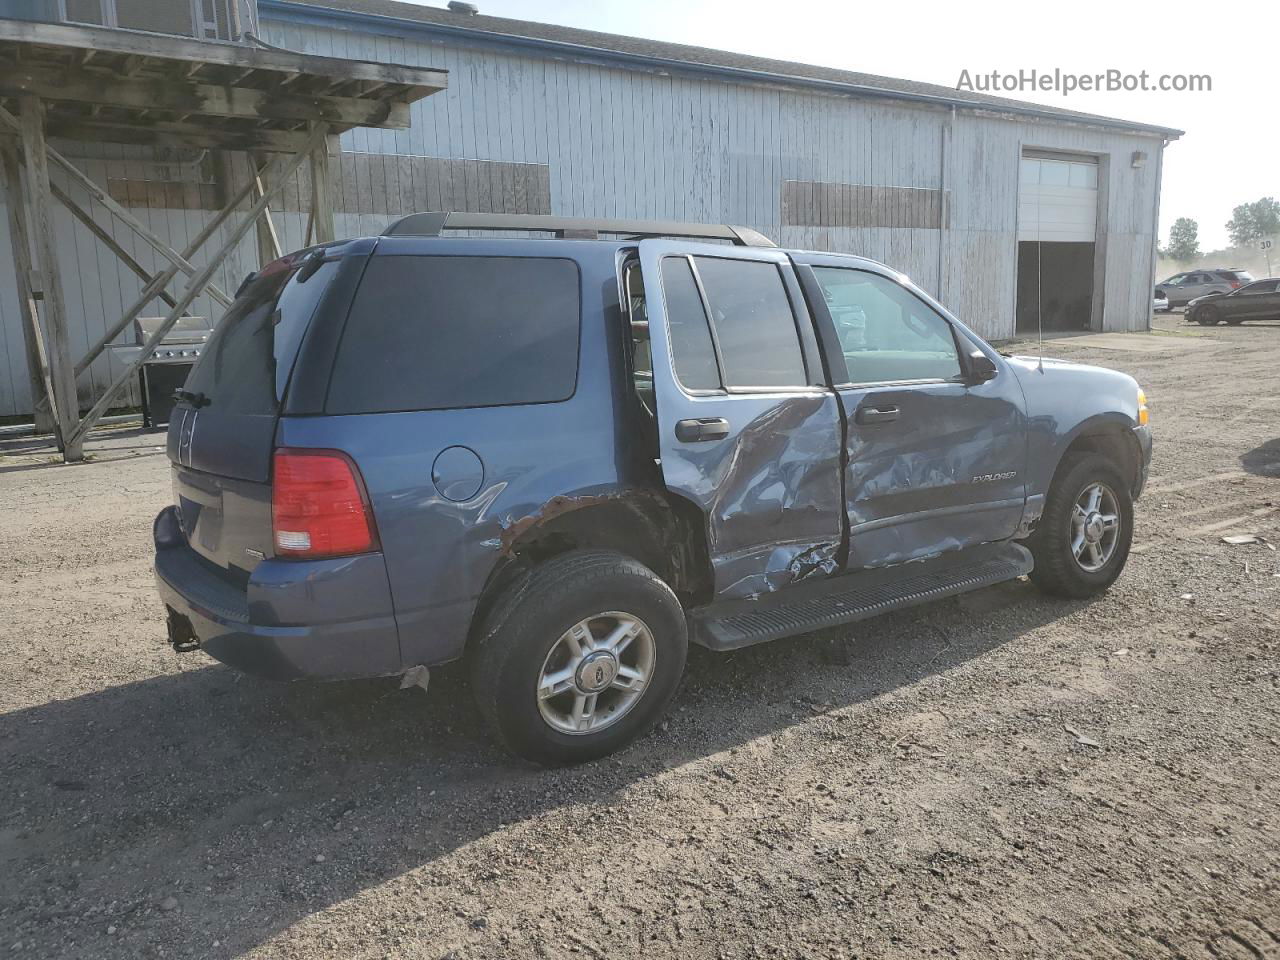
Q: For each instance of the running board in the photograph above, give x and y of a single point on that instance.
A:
(804, 607)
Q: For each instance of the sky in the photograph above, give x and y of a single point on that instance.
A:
(1228, 156)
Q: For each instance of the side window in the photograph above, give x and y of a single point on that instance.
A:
(754, 325)
(886, 332)
(439, 332)
(1262, 286)
(692, 352)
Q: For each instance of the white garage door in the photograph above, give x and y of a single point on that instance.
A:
(1058, 200)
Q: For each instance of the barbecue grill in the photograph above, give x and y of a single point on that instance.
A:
(166, 369)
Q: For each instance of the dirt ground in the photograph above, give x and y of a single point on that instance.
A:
(998, 775)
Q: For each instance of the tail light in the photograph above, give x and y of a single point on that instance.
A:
(319, 507)
(1236, 284)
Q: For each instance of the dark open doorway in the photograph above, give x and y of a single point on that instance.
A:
(1055, 279)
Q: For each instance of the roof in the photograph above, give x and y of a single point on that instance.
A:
(127, 86)
(431, 224)
(655, 52)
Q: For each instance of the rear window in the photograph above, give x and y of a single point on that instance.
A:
(245, 365)
(434, 333)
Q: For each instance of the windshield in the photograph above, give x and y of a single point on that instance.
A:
(246, 365)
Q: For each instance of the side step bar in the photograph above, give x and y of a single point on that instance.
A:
(857, 596)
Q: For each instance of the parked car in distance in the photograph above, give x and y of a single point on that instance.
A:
(1259, 300)
(1182, 288)
(562, 460)
(1159, 301)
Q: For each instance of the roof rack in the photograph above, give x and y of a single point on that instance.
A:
(571, 228)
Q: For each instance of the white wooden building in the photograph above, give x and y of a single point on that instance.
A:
(973, 196)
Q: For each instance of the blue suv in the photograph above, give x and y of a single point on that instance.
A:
(564, 458)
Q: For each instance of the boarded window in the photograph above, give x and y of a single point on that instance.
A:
(808, 203)
(386, 184)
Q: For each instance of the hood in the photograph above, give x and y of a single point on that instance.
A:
(1215, 295)
(1032, 363)
(1071, 393)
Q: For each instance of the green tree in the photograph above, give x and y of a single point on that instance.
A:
(1184, 240)
(1251, 222)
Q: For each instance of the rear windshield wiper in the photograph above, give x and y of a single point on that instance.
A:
(196, 400)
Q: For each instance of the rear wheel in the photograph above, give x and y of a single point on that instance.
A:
(579, 658)
(1082, 540)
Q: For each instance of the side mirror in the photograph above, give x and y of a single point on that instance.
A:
(980, 367)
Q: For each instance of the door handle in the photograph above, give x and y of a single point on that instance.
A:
(876, 414)
(695, 431)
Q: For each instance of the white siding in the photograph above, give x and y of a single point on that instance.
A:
(637, 143)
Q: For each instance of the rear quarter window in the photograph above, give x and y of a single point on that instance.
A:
(435, 332)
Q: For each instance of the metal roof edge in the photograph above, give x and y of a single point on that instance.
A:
(312, 12)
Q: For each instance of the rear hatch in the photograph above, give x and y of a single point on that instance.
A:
(222, 432)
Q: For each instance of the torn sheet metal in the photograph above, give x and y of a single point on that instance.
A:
(416, 677)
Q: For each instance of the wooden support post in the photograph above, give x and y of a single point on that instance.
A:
(136, 225)
(154, 288)
(40, 203)
(268, 239)
(20, 238)
(279, 170)
(322, 191)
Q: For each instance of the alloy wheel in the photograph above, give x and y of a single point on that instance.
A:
(596, 672)
(1095, 527)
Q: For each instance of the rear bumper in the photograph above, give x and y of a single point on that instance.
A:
(313, 620)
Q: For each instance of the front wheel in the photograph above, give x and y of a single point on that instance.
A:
(1082, 540)
(1207, 317)
(579, 658)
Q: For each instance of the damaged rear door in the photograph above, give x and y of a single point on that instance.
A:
(749, 429)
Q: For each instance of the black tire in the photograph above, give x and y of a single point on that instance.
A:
(1207, 316)
(1057, 571)
(507, 658)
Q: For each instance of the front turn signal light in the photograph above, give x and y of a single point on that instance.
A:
(1143, 415)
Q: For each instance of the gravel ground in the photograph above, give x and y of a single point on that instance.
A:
(996, 775)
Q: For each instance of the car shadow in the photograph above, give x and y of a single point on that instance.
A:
(256, 805)
(1264, 459)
